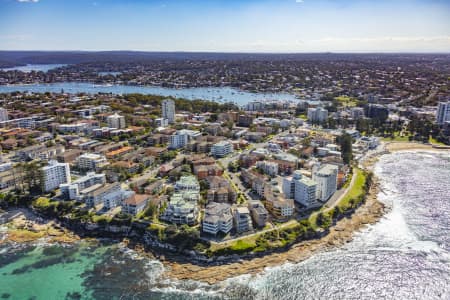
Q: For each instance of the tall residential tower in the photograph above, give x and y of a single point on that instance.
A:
(168, 110)
(443, 113)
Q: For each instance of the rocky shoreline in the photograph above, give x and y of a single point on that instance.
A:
(30, 227)
(370, 212)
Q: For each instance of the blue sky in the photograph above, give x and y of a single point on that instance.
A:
(226, 25)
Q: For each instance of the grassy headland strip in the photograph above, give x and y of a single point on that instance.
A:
(293, 231)
(338, 232)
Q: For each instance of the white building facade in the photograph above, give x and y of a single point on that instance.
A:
(317, 115)
(91, 161)
(3, 114)
(300, 188)
(168, 110)
(326, 178)
(221, 149)
(116, 121)
(443, 113)
(54, 174)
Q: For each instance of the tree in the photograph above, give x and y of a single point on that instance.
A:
(346, 141)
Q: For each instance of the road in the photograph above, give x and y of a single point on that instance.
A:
(338, 195)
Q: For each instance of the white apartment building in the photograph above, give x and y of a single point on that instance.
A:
(326, 178)
(300, 188)
(53, 175)
(3, 114)
(91, 161)
(182, 137)
(221, 149)
(242, 219)
(269, 168)
(72, 190)
(178, 141)
(187, 183)
(116, 121)
(161, 122)
(443, 113)
(182, 208)
(217, 218)
(255, 106)
(168, 110)
(317, 115)
(110, 195)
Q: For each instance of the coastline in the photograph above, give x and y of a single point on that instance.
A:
(370, 212)
(178, 267)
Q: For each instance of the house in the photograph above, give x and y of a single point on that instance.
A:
(154, 188)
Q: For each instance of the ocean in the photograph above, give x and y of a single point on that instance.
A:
(406, 255)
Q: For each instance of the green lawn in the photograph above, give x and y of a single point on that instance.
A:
(347, 101)
(396, 138)
(356, 191)
(243, 245)
(436, 142)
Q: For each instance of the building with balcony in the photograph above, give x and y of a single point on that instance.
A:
(218, 218)
(53, 175)
(326, 178)
(300, 188)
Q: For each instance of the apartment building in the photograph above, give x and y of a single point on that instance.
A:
(71, 191)
(268, 167)
(91, 161)
(259, 212)
(116, 121)
(168, 110)
(300, 188)
(187, 183)
(317, 115)
(443, 113)
(218, 218)
(182, 208)
(53, 175)
(326, 178)
(221, 149)
(242, 219)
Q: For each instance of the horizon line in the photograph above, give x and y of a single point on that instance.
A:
(241, 52)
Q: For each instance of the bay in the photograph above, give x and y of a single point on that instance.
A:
(218, 94)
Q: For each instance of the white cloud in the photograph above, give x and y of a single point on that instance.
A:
(28, 1)
(299, 1)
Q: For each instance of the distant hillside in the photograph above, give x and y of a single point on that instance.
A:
(11, 58)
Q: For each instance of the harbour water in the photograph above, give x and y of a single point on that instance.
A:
(404, 256)
(34, 67)
(218, 94)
